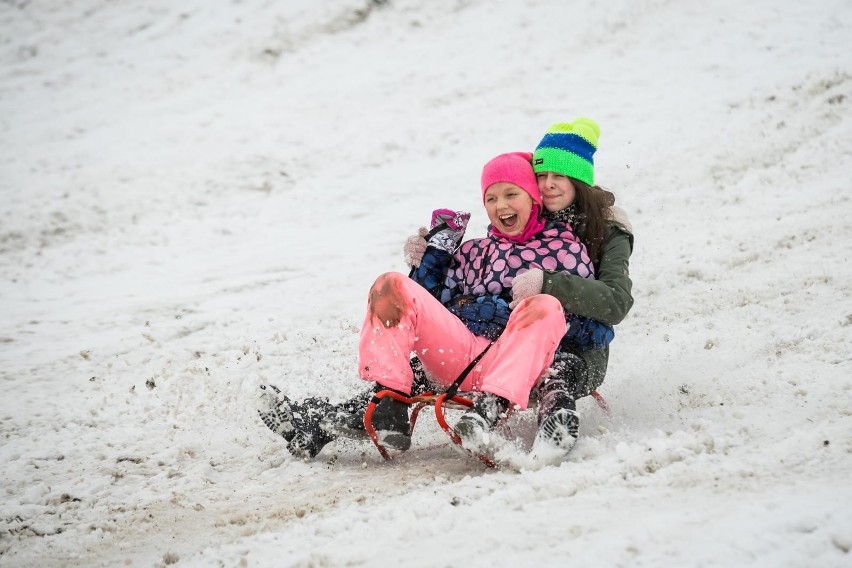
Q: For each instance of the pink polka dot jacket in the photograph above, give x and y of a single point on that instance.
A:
(488, 265)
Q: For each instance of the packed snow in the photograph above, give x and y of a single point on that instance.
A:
(196, 197)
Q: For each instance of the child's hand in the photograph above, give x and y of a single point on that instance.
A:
(414, 247)
(525, 285)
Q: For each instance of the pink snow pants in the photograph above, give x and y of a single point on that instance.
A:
(403, 317)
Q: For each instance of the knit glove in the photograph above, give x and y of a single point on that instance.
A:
(525, 285)
(449, 238)
(414, 247)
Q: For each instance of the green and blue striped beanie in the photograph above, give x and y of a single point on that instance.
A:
(568, 148)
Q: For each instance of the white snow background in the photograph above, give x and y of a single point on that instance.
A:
(196, 196)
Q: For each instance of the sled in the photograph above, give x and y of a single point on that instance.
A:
(448, 400)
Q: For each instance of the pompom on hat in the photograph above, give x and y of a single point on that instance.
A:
(568, 148)
(514, 167)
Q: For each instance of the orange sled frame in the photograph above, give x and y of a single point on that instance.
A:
(439, 402)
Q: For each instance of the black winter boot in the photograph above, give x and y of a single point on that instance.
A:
(558, 422)
(298, 423)
(479, 420)
(347, 418)
(390, 420)
(275, 410)
(309, 438)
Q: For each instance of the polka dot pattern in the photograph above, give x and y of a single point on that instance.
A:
(489, 265)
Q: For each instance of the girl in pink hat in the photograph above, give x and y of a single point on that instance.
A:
(409, 315)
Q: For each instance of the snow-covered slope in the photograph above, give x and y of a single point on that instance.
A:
(197, 196)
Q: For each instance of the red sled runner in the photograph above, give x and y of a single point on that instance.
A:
(449, 399)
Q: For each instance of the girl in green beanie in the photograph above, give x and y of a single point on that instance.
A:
(564, 167)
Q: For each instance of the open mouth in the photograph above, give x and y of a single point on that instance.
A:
(508, 221)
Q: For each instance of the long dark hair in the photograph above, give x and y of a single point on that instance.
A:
(593, 205)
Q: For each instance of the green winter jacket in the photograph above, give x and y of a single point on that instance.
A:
(606, 299)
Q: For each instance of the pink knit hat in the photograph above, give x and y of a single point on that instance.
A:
(514, 167)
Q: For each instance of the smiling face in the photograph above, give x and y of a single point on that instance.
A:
(508, 207)
(557, 191)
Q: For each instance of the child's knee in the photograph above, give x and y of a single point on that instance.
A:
(387, 302)
(387, 277)
(548, 303)
(539, 310)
